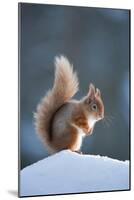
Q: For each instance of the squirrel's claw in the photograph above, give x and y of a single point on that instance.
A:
(79, 152)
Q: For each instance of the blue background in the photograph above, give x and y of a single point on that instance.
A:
(96, 41)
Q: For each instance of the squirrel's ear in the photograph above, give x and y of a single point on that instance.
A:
(91, 92)
(98, 93)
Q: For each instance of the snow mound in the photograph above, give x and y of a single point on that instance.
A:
(70, 172)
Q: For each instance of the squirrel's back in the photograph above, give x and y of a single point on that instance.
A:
(64, 88)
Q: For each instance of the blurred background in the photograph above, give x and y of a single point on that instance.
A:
(96, 41)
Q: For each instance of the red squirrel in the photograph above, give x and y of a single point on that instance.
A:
(61, 121)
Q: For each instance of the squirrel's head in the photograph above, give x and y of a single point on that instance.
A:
(94, 104)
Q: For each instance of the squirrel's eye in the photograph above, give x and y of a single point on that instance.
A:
(94, 107)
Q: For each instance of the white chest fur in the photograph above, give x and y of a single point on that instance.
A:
(91, 122)
(81, 134)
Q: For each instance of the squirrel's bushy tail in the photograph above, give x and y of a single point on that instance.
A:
(64, 88)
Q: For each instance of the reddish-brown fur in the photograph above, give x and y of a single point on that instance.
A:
(82, 122)
(62, 122)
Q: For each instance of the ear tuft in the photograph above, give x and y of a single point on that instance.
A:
(98, 93)
(91, 92)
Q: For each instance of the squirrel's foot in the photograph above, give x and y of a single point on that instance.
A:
(80, 152)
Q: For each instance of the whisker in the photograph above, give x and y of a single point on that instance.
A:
(106, 122)
(109, 120)
(109, 116)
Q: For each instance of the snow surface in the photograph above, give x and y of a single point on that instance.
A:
(70, 172)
